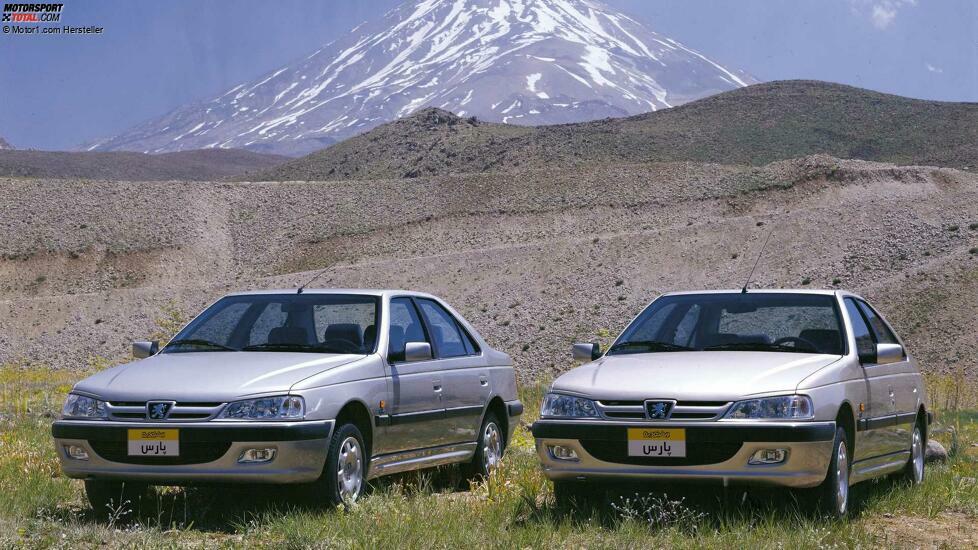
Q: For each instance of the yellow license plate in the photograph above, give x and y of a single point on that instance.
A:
(154, 442)
(657, 443)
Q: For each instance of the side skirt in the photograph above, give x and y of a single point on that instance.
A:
(879, 465)
(420, 458)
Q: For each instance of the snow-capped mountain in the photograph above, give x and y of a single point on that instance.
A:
(511, 61)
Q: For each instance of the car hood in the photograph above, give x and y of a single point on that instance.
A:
(692, 376)
(208, 376)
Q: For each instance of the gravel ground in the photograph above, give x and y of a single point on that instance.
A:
(536, 260)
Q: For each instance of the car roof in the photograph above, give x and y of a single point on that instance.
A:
(362, 291)
(825, 292)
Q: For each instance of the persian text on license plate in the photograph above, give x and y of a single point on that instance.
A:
(154, 442)
(657, 443)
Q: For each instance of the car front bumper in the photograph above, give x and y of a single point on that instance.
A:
(716, 451)
(209, 451)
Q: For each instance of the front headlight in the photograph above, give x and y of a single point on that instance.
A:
(266, 408)
(567, 406)
(786, 407)
(79, 406)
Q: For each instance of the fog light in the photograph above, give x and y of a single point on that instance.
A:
(769, 456)
(560, 452)
(251, 456)
(75, 452)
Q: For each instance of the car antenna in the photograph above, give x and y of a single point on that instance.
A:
(758, 260)
(314, 277)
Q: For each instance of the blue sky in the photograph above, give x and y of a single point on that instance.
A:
(58, 92)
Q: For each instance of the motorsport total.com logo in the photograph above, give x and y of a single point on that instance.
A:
(32, 13)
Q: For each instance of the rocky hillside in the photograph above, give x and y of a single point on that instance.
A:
(201, 165)
(535, 261)
(754, 125)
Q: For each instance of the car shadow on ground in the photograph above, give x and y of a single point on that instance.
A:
(696, 505)
(229, 508)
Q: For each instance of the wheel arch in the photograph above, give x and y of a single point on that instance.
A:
(497, 406)
(846, 419)
(356, 412)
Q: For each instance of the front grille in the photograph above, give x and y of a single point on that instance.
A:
(682, 410)
(190, 453)
(179, 412)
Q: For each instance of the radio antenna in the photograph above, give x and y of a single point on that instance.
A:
(314, 277)
(757, 261)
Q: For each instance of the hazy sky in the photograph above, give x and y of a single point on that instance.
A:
(58, 92)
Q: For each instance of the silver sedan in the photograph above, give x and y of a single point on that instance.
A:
(324, 387)
(805, 389)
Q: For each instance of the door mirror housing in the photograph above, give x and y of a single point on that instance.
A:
(888, 353)
(142, 349)
(417, 351)
(586, 352)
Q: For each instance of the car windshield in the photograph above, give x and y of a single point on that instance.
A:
(311, 323)
(786, 322)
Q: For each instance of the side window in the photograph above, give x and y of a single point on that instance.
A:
(445, 332)
(405, 326)
(876, 324)
(687, 326)
(272, 317)
(471, 348)
(220, 328)
(865, 346)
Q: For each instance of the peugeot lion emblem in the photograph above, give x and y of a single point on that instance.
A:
(158, 410)
(658, 410)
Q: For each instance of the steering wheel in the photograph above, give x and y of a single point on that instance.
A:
(797, 341)
(342, 344)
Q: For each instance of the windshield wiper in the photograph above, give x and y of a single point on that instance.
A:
(648, 346)
(199, 342)
(756, 346)
(307, 348)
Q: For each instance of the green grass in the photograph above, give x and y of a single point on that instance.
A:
(514, 508)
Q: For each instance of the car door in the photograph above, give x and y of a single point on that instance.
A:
(464, 371)
(903, 386)
(876, 422)
(417, 417)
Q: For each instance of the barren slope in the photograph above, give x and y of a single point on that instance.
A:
(535, 261)
(754, 125)
(198, 165)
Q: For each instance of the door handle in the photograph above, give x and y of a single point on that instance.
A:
(437, 388)
(483, 381)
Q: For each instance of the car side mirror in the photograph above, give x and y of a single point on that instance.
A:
(142, 349)
(586, 352)
(888, 353)
(417, 351)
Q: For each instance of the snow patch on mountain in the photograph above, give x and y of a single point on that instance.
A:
(513, 61)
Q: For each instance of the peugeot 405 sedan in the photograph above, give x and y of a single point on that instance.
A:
(791, 388)
(325, 387)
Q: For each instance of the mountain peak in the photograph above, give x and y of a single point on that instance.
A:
(4, 144)
(525, 62)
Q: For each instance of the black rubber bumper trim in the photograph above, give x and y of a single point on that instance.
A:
(733, 434)
(888, 421)
(515, 408)
(204, 434)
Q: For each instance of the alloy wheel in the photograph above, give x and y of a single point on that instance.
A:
(349, 470)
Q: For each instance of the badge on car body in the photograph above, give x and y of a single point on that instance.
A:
(659, 410)
(158, 410)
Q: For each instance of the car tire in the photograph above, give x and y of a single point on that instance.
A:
(913, 472)
(115, 500)
(832, 496)
(579, 495)
(344, 476)
(489, 449)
